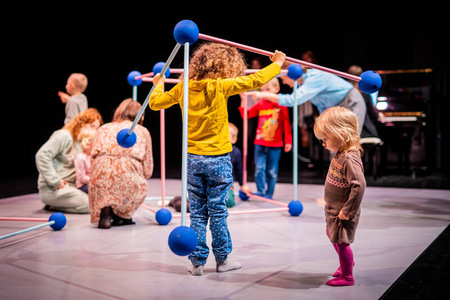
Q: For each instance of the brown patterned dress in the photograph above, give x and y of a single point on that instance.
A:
(118, 175)
(344, 190)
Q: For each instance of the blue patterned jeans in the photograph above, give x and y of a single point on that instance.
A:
(208, 180)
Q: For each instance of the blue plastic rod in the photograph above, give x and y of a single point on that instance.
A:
(27, 230)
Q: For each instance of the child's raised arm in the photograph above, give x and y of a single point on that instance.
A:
(278, 57)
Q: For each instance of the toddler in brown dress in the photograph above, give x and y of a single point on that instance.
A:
(345, 184)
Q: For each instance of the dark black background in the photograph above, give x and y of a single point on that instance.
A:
(43, 45)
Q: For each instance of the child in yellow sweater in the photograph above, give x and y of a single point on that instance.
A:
(214, 75)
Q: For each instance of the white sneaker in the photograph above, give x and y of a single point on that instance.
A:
(228, 266)
(195, 270)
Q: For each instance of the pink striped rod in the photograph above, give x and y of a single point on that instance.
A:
(172, 71)
(267, 53)
(250, 211)
(167, 80)
(245, 143)
(179, 71)
(23, 219)
(268, 200)
(251, 71)
(256, 211)
(148, 207)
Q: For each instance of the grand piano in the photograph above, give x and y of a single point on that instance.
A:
(406, 107)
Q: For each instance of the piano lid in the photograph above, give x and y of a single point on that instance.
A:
(406, 90)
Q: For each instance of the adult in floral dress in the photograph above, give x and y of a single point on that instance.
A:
(118, 175)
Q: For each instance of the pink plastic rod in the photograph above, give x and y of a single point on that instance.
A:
(251, 71)
(267, 53)
(145, 76)
(251, 211)
(174, 71)
(245, 143)
(23, 219)
(167, 80)
(256, 211)
(148, 207)
(268, 200)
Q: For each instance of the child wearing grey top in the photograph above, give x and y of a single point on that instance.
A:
(74, 99)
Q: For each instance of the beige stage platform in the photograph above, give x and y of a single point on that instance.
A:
(283, 257)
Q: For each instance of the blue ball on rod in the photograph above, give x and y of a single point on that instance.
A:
(186, 31)
(295, 208)
(157, 68)
(126, 140)
(183, 240)
(295, 71)
(163, 216)
(370, 82)
(131, 80)
(59, 219)
(243, 195)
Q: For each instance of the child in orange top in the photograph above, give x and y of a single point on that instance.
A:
(345, 184)
(214, 75)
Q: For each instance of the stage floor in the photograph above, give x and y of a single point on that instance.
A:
(283, 257)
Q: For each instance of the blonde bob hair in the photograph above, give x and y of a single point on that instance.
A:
(339, 123)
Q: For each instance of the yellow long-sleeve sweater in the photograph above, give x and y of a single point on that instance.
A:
(208, 114)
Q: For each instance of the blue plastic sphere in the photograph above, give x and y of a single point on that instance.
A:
(132, 81)
(163, 216)
(295, 208)
(157, 68)
(60, 220)
(183, 240)
(370, 82)
(243, 195)
(125, 140)
(295, 71)
(186, 31)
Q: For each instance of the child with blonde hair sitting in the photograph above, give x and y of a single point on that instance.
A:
(83, 160)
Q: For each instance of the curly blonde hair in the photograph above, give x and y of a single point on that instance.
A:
(340, 123)
(214, 60)
(85, 117)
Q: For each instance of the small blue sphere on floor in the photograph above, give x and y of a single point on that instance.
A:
(59, 219)
(243, 195)
(186, 31)
(370, 82)
(163, 216)
(183, 240)
(125, 140)
(157, 68)
(132, 81)
(295, 208)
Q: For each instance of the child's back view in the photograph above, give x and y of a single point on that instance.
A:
(75, 100)
(212, 79)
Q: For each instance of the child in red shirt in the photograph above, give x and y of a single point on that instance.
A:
(273, 131)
